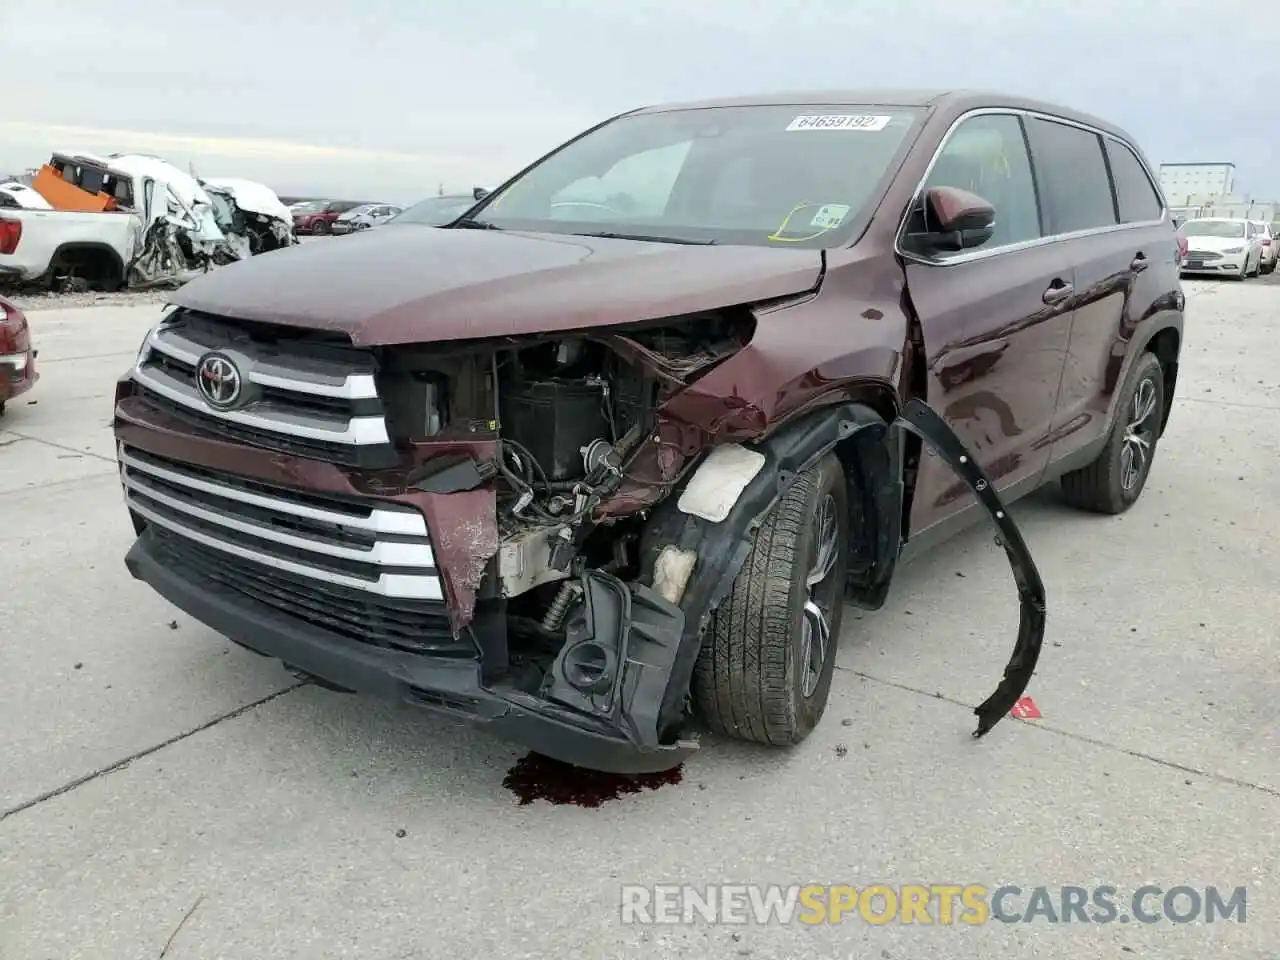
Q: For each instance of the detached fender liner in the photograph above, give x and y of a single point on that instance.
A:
(722, 547)
(445, 685)
(921, 420)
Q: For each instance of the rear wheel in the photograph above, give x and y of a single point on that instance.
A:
(320, 227)
(1114, 481)
(764, 671)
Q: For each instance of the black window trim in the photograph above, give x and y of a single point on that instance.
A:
(1115, 191)
(1047, 238)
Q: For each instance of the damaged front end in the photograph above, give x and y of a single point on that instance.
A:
(577, 543)
(549, 564)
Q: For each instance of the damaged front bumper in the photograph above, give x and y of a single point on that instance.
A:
(615, 696)
(452, 686)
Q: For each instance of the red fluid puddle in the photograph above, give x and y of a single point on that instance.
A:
(535, 777)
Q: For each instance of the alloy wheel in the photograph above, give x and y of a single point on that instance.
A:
(1139, 435)
(815, 638)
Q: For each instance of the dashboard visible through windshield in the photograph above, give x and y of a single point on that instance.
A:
(795, 175)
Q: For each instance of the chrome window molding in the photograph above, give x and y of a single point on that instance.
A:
(987, 253)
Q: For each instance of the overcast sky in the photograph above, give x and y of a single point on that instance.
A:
(389, 98)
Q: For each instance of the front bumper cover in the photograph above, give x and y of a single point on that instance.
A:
(449, 686)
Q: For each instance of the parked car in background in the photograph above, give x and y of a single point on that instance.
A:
(317, 216)
(1181, 237)
(1223, 246)
(436, 211)
(17, 356)
(1267, 263)
(364, 216)
(598, 467)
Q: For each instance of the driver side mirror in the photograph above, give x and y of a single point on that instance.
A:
(479, 193)
(955, 219)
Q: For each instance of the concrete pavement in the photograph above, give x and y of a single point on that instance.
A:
(153, 778)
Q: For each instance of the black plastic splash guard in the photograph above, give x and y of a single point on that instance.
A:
(926, 424)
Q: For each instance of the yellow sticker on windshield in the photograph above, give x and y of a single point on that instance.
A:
(830, 216)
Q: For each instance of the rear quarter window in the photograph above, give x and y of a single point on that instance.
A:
(1136, 195)
(1071, 171)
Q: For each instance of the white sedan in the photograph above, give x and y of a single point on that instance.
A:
(1223, 246)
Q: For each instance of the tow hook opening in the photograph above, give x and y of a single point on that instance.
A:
(921, 420)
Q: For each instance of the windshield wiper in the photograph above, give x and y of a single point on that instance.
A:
(645, 236)
(470, 224)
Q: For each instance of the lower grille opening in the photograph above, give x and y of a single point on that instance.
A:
(415, 626)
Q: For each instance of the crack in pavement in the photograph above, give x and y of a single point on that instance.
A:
(1079, 737)
(58, 483)
(146, 752)
(62, 446)
(1230, 403)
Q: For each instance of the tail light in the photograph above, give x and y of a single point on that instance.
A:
(1266, 241)
(15, 339)
(10, 234)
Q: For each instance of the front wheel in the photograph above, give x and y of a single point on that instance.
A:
(764, 671)
(1114, 481)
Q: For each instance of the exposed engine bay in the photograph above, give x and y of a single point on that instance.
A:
(573, 420)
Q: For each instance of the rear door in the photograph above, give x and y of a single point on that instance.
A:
(995, 320)
(1104, 207)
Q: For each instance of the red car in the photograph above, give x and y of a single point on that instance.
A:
(17, 359)
(317, 216)
(1182, 246)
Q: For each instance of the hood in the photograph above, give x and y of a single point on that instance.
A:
(1215, 244)
(417, 286)
(253, 197)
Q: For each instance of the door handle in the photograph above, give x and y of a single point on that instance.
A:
(1139, 263)
(1057, 292)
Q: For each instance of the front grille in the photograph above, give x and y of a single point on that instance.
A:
(353, 567)
(314, 400)
(1203, 255)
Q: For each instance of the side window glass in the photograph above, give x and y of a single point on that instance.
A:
(638, 185)
(986, 155)
(1072, 175)
(1135, 193)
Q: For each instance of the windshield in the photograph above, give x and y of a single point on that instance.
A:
(435, 211)
(1230, 229)
(308, 206)
(759, 175)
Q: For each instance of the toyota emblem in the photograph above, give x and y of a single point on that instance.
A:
(218, 381)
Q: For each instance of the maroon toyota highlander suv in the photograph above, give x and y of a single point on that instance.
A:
(609, 453)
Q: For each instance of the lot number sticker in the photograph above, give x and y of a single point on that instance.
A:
(836, 121)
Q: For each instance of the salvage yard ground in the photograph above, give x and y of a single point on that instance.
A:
(151, 772)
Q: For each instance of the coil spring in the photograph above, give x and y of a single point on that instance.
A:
(554, 617)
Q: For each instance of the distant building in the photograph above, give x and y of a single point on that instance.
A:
(1183, 181)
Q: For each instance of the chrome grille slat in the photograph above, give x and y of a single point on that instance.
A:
(392, 549)
(293, 391)
(300, 375)
(376, 520)
(356, 430)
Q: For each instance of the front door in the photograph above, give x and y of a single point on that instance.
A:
(996, 324)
